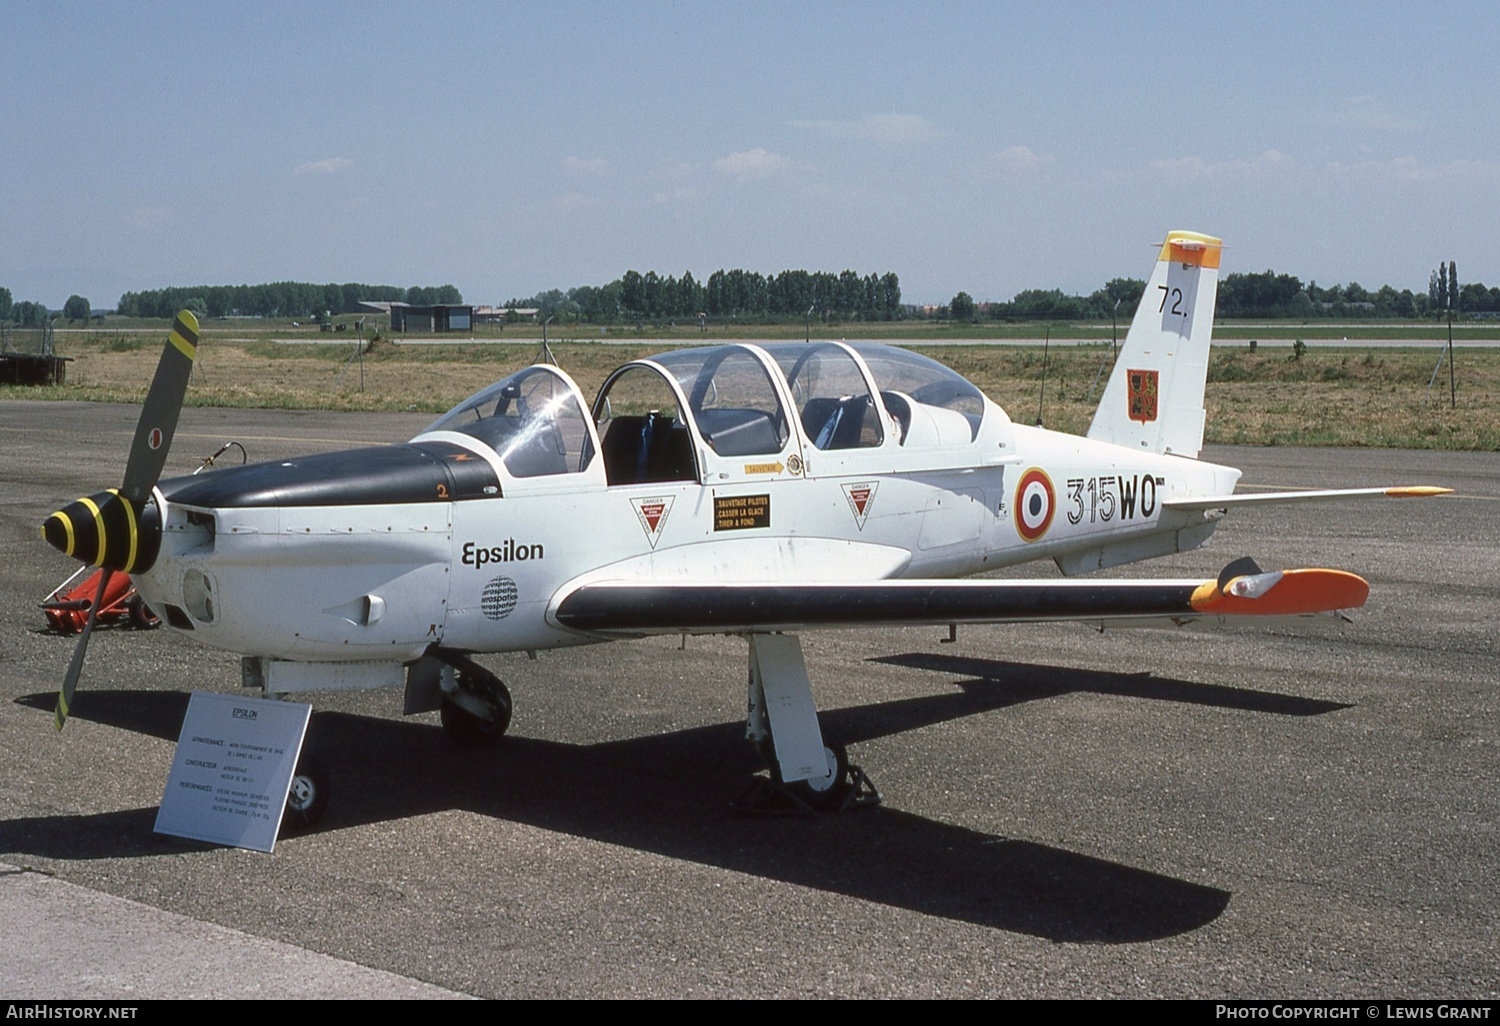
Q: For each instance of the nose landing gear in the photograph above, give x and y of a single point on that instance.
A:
(476, 704)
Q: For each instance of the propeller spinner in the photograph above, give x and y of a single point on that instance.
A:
(120, 529)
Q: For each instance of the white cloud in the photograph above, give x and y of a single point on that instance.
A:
(1020, 160)
(1188, 170)
(329, 166)
(891, 129)
(588, 167)
(681, 182)
(1410, 169)
(756, 163)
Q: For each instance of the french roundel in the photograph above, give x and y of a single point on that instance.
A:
(1034, 504)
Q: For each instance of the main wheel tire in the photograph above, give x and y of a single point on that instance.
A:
(308, 799)
(828, 791)
(474, 731)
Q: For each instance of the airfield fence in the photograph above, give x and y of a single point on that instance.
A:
(30, 340)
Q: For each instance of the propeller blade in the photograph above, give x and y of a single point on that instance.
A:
(153, 433)
(75, 667)
(148, 455)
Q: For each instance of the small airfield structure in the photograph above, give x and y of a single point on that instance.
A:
(28, 355)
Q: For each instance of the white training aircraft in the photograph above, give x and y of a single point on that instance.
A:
(748, 489)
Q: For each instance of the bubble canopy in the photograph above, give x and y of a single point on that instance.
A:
(532, 419)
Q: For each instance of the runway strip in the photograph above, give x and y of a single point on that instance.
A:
(66, 941)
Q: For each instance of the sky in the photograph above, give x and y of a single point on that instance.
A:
(509, 148)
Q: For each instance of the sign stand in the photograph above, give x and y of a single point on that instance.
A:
(232, 770)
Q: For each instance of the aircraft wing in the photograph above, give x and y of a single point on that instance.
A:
(636, 608)
(1321, 495)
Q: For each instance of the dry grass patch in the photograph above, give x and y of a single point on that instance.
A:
(1355, 397)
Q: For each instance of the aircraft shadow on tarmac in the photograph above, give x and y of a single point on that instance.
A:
(1027, 682)
(666, 794)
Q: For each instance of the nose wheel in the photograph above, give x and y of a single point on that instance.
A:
(476, 707)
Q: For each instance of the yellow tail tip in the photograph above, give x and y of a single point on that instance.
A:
(1192, 248)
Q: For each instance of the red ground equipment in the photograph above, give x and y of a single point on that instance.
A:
(67, 608)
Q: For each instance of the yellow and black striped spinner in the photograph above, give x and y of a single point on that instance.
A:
(153, 434)
(107, 530)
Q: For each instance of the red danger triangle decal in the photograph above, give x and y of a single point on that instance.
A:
(652, 514)
(861, 500)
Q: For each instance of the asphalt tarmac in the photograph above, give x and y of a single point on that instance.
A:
(1285, 811)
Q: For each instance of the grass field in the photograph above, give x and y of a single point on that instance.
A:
(1416, 332)
(1347, 396)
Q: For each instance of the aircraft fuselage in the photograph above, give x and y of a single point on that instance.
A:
(381, 554)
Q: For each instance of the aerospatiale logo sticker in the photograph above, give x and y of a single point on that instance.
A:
(652, 513)
(1143, 393)
(861, 500)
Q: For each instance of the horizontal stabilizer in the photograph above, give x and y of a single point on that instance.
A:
(1323, 495)
(630, 608)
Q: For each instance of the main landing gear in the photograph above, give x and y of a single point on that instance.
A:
(808, 775)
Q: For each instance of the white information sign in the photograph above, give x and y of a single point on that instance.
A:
(233, 769)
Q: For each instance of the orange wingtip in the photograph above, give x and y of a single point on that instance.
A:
(1295, 593)
(1417, 492)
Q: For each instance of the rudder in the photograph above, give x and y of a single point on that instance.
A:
(1154, 399)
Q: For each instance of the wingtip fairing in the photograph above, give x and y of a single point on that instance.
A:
(1282, 593)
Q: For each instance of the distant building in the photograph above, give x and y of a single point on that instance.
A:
(503, 314)
(441, 317)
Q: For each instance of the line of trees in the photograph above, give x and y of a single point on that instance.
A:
(1282, 295)
(24, 313)
(791, 295)
(736, 293)
(277, 299)
(1053, 305)
(1265, 295)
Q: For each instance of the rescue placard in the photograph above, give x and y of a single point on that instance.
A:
(738, 512)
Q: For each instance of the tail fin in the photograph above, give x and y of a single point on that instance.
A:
(1154, 399)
